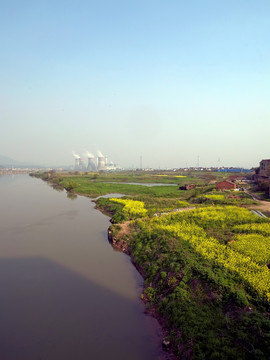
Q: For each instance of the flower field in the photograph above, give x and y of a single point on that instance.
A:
(205, 268)
(240, 257)
(132, 208)
(210, 289)
(214, 216)
(255, 246)
(215, 197)
(263, 228)
(257, 275)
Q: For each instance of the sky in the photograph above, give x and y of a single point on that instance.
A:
(169, 81)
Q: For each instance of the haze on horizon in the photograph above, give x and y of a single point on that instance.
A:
(167, 81)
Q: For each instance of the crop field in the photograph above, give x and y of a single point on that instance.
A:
(132, 208)
(253, 228)
(237, 258)
(204, 256)
(214, 293)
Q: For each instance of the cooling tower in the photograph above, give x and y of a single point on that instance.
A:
(101, 163)
(77, 164)
(82, 165)
(91, 164)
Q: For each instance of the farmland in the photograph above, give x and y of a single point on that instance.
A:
(213, 292)
(204, 256)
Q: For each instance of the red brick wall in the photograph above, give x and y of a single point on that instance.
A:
(225, 185)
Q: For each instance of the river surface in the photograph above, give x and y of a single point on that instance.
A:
(64, 292)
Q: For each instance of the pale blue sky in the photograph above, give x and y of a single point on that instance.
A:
(165, 80)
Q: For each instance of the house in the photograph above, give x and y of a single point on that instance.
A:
(187, 187)
(225, 185)
(235, 178)
(262, 176)
(265, 168)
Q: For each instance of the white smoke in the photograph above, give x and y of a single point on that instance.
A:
(76, 155)
(89, 155)
(99, 154)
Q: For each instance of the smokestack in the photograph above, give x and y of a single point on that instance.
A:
(91, 164)
(82, 165)
(101, 163)
(77, 164)
(77, 160)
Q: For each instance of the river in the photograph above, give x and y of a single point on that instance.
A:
(65, 293)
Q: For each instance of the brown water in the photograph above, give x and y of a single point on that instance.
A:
(64, 292)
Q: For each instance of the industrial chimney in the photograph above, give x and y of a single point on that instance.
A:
(77, 164)
(77, 160)
(91, 163)
(82, 165)
(101, 163)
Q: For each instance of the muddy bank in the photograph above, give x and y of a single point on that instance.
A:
(118, 236)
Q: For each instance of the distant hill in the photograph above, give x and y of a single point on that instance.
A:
(6, 161)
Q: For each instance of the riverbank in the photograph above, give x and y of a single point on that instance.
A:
(176, 294)
(118, 236)
(198, 278)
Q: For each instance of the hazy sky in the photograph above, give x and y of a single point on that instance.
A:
(165, 80)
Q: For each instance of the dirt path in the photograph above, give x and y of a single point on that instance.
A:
(262, 206)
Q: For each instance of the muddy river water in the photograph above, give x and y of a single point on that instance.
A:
(64, 292)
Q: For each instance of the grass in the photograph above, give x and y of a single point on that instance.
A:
(140, 177)
(199, 265)
(99, 188)
(211, 309)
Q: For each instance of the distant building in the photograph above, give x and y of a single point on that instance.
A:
(187, 187)
(265, 168)
(225, 185)
(236, 178)
(234, 170)
(262, 176)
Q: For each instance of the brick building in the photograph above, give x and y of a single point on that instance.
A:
(265, 168)
(225, 185)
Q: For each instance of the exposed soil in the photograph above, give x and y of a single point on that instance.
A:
(262, 205)
(119, 240)
(124, 229)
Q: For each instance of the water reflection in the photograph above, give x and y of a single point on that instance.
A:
(71, 195)
(57, 187)
(59, 276)
(48, 309)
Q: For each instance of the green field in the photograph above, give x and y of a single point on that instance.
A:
(205, 258)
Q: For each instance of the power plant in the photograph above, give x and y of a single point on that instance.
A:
(98, 163)
(79, 162)
(91, 163)
(101, 162)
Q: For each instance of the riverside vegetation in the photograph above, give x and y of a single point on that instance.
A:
(205, 259)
